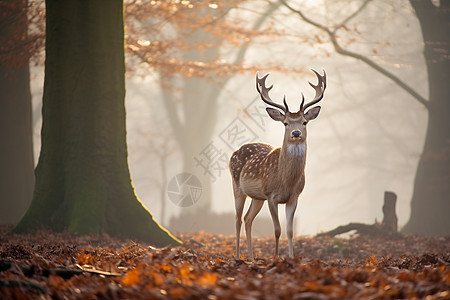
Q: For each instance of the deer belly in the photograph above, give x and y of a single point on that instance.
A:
(253, 188)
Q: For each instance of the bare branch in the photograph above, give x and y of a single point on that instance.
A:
(354, 14)
(256, 26)
(366, 60)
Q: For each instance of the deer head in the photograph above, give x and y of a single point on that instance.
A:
(294, 122)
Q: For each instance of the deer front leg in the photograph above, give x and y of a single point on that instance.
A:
(255, 207)
(273, 207)
(290, 210)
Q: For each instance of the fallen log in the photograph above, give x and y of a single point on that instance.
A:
(387, 228)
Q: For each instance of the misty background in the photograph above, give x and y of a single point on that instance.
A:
(367, 139)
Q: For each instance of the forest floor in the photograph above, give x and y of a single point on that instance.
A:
(50, 265)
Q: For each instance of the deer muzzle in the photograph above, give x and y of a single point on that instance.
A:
(296, 134)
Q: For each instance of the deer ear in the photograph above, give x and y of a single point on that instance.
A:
(312, 113)
(275, 114)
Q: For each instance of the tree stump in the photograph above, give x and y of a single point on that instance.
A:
(389, 216)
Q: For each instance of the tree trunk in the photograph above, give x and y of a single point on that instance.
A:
(430, 205)
(16, 137)
(82, 179)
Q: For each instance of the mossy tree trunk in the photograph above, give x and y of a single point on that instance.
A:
(83, 182)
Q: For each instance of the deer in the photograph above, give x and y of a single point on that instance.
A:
(262, 172)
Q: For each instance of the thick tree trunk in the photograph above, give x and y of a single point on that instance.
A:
(82, 178)
(430, 205)
(16, 140)
(16, 157)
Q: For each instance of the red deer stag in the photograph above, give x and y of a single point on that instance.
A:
(277, 175)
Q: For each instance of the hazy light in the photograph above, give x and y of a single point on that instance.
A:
(144, 42)
(214, 5)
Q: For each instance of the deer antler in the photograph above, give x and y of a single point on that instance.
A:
(264, 93)
(319, 88)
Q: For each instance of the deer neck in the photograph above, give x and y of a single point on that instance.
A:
(292, 162)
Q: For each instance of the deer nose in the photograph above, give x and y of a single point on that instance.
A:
(296, 133)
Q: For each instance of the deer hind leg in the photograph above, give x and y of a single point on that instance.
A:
(273, 208)
(253, 210)
(239, 201)
(290, 210)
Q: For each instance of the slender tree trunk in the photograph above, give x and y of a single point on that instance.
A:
(430, 205)
(16, 140)
(82, 179)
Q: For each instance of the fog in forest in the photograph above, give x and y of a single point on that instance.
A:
(367, 139)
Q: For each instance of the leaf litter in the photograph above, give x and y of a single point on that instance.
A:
(49, 265)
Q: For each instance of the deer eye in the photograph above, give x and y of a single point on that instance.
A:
(285, 124)
(304, 123)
